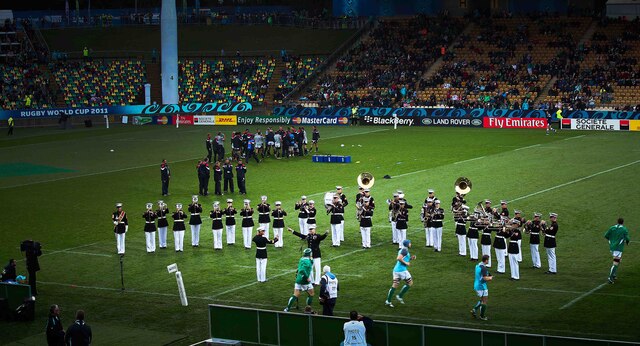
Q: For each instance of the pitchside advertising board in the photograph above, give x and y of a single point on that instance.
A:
(514, 123)
(600, 124)
(421, 121)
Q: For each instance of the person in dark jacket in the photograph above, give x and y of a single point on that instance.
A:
(55, 332)
(79, 333)
(217, 178)
(241, 171)
(9, 272)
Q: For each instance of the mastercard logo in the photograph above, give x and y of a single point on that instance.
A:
(296, 120)
(163, 120)
(343, 120)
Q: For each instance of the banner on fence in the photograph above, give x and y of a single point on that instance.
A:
(263, 120)
(204, 120)
(595, 124)
(226, 120)
(514, 123)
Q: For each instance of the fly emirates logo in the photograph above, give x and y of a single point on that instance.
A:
(514, 123)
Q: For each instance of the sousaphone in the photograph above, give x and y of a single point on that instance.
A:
(463, 185)
(366, 180)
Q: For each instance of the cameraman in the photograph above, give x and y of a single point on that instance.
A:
(32, 250)
(9, 272)
(328, 291)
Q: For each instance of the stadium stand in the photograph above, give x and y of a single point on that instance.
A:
(23, 85)
(225, 80)
(99, 82)
(296, 70)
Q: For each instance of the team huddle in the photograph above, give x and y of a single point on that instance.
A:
(471, 226)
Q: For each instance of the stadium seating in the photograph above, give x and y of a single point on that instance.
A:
(232, 80)
(100, 83)
(20, 81)
(296, 70)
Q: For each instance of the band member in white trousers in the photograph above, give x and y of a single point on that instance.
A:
(365, 214)
(261, 254)
(216, 225)
(230, 222)
(195, 221)
(178, 227)
(149, 217)
(500, 246)
(163, 224)
(514, 250)
(264, 218)
(303, 215)
(120, 227)
(550, 242)
(247, 224)
(438, 220)
(278, 215)
(336, 209)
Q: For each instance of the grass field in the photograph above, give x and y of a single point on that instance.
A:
(60, 187)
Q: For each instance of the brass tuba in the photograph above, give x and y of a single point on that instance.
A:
(463, 185)
(366, 180)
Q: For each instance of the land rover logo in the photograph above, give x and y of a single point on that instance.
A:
(426, 121)
(476, 122)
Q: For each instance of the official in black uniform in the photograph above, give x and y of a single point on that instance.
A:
(534, 227)
(500, 246)
(178, 227)
(313, 242)
(216, 225)
(227, 170)
(514, 250)
(264, 210)
(365, 214)
(32, 250)
(230, 222)
(163, 224)
(241, 171)
(217, 178)
(195, 221)
(550, 234)
(247, 224)
(55, 331)
(204, 173)
(337, 216)
(261, 254)
(120, 227)
(315, 137)
(149, 217)
(165, 176)
(278, 223)
(209, 145)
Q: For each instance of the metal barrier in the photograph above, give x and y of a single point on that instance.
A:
(267, 327)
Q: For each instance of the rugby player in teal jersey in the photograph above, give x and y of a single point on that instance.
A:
(400, 272)
(482, 276)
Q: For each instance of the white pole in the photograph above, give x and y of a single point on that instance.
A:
(395, 121)
(181, 291)
(106, 118)
(177, 121)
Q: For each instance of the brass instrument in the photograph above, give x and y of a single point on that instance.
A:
(463, 185)
(365, 180)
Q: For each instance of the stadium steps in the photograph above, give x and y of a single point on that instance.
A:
(153, 77)
(54, 88)
(274, 82)
(435, 67)
(542, 95)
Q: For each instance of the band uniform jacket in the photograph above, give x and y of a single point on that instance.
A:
(365, 217)
(337, 212)
(534, 229)
(121, 227)
(247, 217)
(461, 226)
(230, 220)
(217, 173)
(241, 170)
(263, 213)
(402, 218)
(438, 216)
(278, 218)
(162, 217)
(500, 241)
(473, 231)
(303, 210)
(228, 171)
(343, 198)
(313, 242)
(486, 234)
(195, 210)
(261, 245)
(216, 217)
(149, 217)
(178, 220)
(311, 212)
(504, 213)
(513, 245)
(550, 235)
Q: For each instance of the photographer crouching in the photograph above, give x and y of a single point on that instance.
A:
(32, 250)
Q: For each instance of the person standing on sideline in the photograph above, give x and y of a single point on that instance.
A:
(303, 215)
(209, 145)
(482, 276)
(11, 124)
(313, 243)
(220, 146)
(303, 280)
(617, 235)
(550, 243)
(120, 227)
(204, 173)
(149, 217)
(261, 254)
(195, 221)
(513, 249)
(79, 333)
(278, 223)
(230, 222)
(401, 272)
(328, 291)
(241, 171)
(217, 178)
(227, 170)
(264, 210)
(247, 224)
(178, 227)
(355, 331)
(315, 138)
(165, 176)
(216, 225)
(163, 224)
(55, 332)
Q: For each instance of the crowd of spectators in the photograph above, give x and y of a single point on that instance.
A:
(22, 85)
(296, 70)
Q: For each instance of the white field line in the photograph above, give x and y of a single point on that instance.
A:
(287, 270)
(576, 292)
(527, 147)
(575, 181)
(469, 160)
(64, 250)
(88, 253)
(582, 296)
(141, 166)
(574, 137)
(355, 134)
(410, 173)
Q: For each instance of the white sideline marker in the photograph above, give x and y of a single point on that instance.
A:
(582, 296)
(173, 268)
